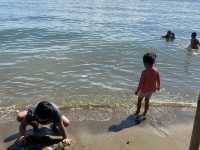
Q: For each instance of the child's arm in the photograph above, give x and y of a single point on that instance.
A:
(64, 133)
(22, 131)
(158, 81)
(141, 82)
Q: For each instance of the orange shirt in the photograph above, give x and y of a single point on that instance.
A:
(149, 80)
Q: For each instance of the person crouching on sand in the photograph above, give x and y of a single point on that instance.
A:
(43, 113)
(149, 82)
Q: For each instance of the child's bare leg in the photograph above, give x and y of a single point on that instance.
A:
(146, 108)
(139, 105)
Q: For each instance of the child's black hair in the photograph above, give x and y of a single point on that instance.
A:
(194, 34)
(149, 58)
(44, 110)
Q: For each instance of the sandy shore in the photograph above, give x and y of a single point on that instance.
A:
(116, 129)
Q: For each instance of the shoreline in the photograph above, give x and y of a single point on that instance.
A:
(8, 112)
(91, 128)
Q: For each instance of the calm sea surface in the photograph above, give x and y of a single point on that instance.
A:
(92, 50)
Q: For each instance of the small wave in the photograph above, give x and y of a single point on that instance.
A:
(107, 86)
(8, 64)
(28, 78)
(57, 58)
(173, 104)
(196, 53)
(102, 112)
(50, 73)
(17, 107)
(122, 70)
(24, 84)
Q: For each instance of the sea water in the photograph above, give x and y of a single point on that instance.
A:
(91, 51)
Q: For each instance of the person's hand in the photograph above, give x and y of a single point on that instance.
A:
(21, 140)
(67, 141)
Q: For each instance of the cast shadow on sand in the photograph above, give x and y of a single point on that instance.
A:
(130, 121)
(41, 140)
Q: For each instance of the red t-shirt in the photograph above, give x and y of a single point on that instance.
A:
(149, 80)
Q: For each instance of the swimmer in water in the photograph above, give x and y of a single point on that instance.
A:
(194, 43)
(170, 36)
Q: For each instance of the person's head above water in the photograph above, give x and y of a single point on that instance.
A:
(44, 112)
(149, 59)
(169, 32)
(169, 36)
(194, 34)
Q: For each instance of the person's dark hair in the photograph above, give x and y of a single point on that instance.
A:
(194, 34)
(149, 58)
(169, 32)
(44, 110)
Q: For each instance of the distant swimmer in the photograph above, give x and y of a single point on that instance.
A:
(170, 36)
(194, 43)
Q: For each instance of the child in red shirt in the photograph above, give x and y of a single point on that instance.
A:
(149, 82)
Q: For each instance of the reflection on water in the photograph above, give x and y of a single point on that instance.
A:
(188, 58)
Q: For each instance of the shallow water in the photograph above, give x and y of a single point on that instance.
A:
(92, 50)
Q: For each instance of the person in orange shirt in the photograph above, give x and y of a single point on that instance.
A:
(194, 43)
(149, 82)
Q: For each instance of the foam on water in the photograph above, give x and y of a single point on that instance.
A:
(97, 112)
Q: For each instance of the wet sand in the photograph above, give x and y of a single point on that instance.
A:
(116, 129)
